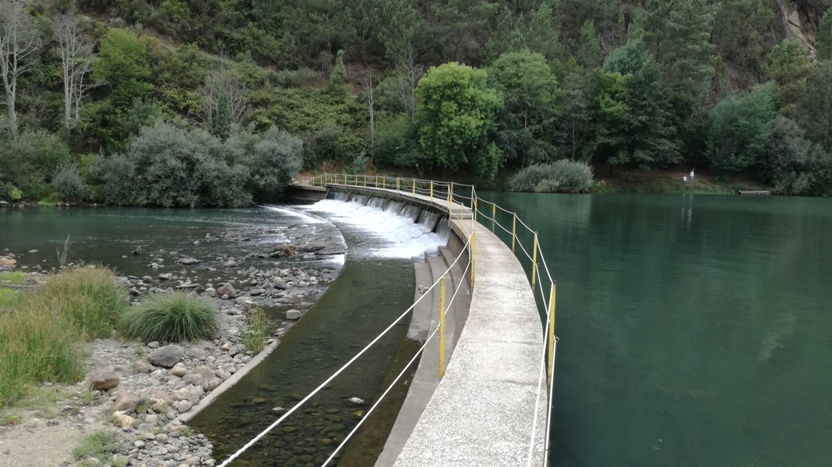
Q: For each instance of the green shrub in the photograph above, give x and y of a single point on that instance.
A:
(68, 183)
(88, 297)
(172, 317)
(563, 176)
(7, 298)
(300, 78)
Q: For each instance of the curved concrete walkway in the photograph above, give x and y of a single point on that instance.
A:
(482, 411)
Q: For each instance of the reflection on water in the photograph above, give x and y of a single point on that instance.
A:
(695, 340)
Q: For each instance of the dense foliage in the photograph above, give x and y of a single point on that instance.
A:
(638, 84)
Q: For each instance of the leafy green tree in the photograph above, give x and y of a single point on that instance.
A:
(793, 164)
(457, 119)
(122, 64)
(338, 77)
(529, 91)
(738, 130)
(788, 66)
(222, 127)
(574, 123)
(823, 38)
(272, 160)
(635, 127)
(29, 161)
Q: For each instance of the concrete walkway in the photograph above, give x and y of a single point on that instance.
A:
(482, 412)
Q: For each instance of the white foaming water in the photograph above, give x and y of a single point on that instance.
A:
(393, 236)
(307, 219)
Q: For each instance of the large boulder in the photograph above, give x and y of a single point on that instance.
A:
(167, 356)
(293, 315)
(104, 380)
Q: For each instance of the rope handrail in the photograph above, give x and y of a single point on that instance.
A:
(345, 366)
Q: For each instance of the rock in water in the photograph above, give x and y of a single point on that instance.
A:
(167, 356)
(103, 380)
(356, 400)
(293, 315)
(189, 261)
(226, 289)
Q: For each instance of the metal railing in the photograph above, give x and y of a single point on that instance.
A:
(461, 202)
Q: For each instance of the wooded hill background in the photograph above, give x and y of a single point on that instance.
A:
(219, 90)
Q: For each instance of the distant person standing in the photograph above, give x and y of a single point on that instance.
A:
(691, 176)
(685, 179)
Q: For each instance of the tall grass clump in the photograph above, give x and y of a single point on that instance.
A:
(171, 317)
(37, 344)
(254, 338)
(563, 176)
(89, 297)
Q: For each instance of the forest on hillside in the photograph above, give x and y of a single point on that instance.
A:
(221, 102)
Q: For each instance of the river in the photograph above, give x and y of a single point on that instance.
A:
(694, 330)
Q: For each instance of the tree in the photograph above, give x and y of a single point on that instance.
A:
(823, 38)
(814, 111)
(743, 35)
(19, 40)
(588, 54)
(223, 101)
(457, 114)
(677, 34)
(543, 32)
(338, 78)
(122, 63)
(76, 63)
(738, 130)
(635, 125)
(573, 126)
(365, 77)
(529, 91)
(788, 66)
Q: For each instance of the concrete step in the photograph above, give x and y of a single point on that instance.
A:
(420, 319)
(458, 311)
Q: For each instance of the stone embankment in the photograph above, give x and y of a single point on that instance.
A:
(141, 389)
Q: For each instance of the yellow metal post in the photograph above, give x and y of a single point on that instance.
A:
(414, 186)
(365, 181)
(493, 216)
(472, 257)
(398, 183)
(475, 209)
(431, 190)
(450, 212)
(383, 183)
(552, 329)
(442, 327)
(513, 232)
(534, 260)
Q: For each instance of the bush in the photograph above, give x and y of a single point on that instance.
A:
(563, 176)
(172, 317)
(253, 339)
(89, 298)
(272, 160)
(300, 78)
(99, 445)
(68, 183)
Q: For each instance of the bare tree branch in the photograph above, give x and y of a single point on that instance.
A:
(218, 82)
(18, 40)
(76, 61)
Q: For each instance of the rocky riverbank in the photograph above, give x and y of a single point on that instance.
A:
(140, 389)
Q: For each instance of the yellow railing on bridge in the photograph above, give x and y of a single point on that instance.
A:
(463, 204)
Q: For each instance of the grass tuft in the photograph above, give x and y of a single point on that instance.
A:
(13, 278)
(89, 297)
(171, 317)
(254, 338)
(100, 445)
(42, 331)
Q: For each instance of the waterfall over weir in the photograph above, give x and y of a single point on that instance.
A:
(412, 230)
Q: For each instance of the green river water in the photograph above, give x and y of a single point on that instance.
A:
(694, 330)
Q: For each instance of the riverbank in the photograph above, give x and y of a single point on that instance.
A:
(134, 392)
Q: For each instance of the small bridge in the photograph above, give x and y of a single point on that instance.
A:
(482, 393)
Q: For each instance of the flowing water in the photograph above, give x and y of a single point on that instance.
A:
(694, 330)
(375, 286)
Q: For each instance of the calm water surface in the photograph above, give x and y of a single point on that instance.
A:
(694, 330)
